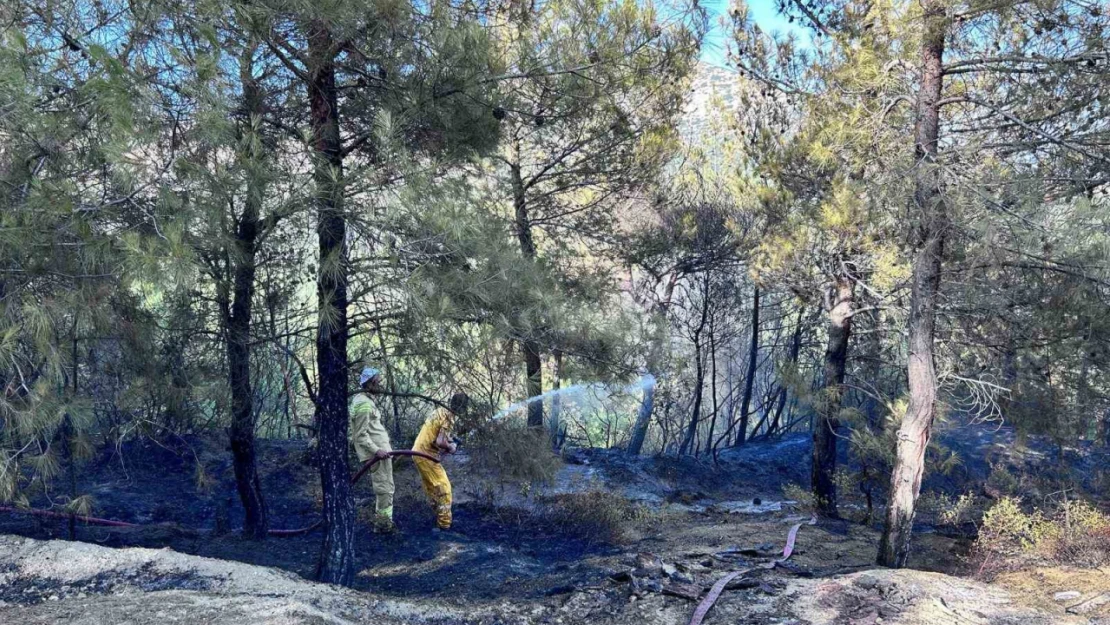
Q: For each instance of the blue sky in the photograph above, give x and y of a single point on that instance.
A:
(762, 11)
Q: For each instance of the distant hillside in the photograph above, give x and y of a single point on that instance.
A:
(710, 82)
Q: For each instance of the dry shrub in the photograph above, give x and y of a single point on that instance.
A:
(948, 510)
(1002, 480)
(595, 516)
(509, 452)
(1073, 533)
(806, 502)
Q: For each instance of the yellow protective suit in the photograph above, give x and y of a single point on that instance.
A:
(368, 435)
(432, 474)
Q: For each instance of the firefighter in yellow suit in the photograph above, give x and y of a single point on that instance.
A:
(435, 439)
(371, 440)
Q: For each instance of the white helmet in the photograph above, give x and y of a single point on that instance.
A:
(369, 373)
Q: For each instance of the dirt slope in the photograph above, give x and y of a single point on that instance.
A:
(70, 582)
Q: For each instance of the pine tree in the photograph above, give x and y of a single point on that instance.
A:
(969, 63)
(358, 75)
(586, 118)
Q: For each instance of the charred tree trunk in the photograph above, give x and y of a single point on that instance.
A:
(695, 414)
(839, 304)
(533, 358)
(533, 369)
(336, 563)
(749, 379)
(643, 420)
(712, 387)
(795, 347)
(238, 328)
(688, 441)
(928, 237)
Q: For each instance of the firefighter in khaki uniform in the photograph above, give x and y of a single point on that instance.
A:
(371, 440)
(435, 439)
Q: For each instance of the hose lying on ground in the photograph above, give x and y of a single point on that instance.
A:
(354, 480)
(294, 532)
(719, 587)
(62, 515)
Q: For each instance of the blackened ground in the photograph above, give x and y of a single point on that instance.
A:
(505, 546)
(492, 552)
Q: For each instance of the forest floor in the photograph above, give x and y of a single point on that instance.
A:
(613, 540)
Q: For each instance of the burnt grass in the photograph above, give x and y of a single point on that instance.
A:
(496, 552)
(34, 590)
(492, 552)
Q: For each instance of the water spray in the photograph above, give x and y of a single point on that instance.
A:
(580, 394)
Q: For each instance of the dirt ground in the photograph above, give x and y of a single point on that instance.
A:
(510, 559)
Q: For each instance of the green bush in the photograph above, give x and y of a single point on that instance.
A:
(1072, 533)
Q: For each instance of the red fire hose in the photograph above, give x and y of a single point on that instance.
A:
(62, 515)
(354, 480)
(110, 523)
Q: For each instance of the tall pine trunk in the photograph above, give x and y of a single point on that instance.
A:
(688, 441)
(712, 387)
(556, 400)
(689, 438)
(389, 380)
(238, 327)
(839, 305)
(749, 379)
(928, 238)
(336, 563)
(533, 358)
(795, 347)
(643, 419)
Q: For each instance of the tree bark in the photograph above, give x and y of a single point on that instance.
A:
(839, 304)
(336, 563)
(238, 328)
(533, 369)
(533, 358)
(928, 238)
(749, 379)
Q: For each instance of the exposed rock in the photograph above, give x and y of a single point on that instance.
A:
(648, 565)
(54, 582)
(685, 591)
(1090, 605)
(750, 507)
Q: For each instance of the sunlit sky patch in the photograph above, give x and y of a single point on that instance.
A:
(715, 49)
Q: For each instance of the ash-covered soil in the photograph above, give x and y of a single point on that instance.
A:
(94, 585)
(513, 558)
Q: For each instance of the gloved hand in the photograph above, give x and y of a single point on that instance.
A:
(381, 454)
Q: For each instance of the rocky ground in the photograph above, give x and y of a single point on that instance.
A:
(517, 556)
